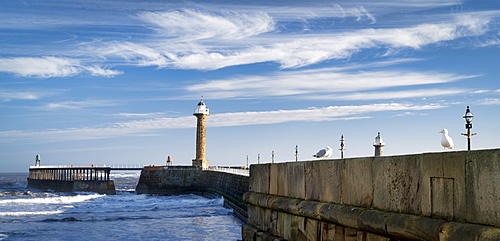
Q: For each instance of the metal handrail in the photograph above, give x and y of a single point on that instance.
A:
(239, 171)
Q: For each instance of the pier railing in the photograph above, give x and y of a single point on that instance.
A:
(71, 173)
(234, 170)
(113, 167)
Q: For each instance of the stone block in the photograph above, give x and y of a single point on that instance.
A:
(328, 181)
(413, 227)
(374, 237)
(254, 216)
(298, 231)
(248, 232)
(274, 177)
(259, 178)
(397, 182)
(483, 187)
(296, 181)
(281, 179)
(350, 234)
(327, 231)
(447, 166)
(357, 182)
(312, 229)
(286, 219)
(313, 182)
(463, 231)
(442, 197)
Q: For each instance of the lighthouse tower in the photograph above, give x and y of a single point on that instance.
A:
(379, 145)
(201, 112)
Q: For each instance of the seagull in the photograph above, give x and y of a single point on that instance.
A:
(446, 140)
(324, 152)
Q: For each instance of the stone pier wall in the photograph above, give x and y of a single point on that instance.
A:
(432, 196)
(173, 180)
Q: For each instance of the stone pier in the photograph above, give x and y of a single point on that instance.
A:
(431, 196)
(71, 179)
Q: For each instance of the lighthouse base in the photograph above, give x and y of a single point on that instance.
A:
(203, 163)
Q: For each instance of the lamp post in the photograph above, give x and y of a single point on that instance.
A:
(296, 153)
(342, 140)
(468, 119)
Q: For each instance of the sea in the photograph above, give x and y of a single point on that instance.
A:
(32, 214)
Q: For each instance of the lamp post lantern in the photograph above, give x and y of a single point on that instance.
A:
(342, 140)
(468, 125)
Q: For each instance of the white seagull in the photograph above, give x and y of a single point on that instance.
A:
(446, 140)
(324, 152)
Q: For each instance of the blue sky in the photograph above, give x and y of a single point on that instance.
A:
(116, 82)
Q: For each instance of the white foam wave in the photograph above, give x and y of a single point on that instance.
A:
(29, 213)
(59, 199)
(125, 175)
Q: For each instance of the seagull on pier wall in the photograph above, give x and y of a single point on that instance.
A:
(327, 152)
(446, 140)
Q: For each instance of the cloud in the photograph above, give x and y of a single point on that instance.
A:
(139, 114)
(190, 25)
(385, 95)
(292, 51)
(49, 67)
(490, 101)
(312, 84)
(151, 126)
(79, 104)
(8, 96)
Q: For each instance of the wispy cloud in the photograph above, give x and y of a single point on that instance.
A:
(79, 104)
(489, 101)
(149, 126)
(10, 95)
(303, 50)
(385, 95)
(190, 25)
(48, 67)
(139, 114)
(322, 83)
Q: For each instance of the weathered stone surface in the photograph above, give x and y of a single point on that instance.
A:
(274, 175)
(357, 182)
(435, 168)
(413, 227)
(350, 234)
(328, 181)
(374, 221)
(282, 179)
(296, 188)
(462, 231)
(483, 187)
(313, 183)
(397, 183)
(259, 178)
(248, 232)
(327, 231)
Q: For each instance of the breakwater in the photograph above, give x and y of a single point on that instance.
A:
(173, 180)
(431, 196)
(72, 179)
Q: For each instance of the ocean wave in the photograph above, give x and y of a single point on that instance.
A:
(48, 200)
(30, 213)
(73, 219)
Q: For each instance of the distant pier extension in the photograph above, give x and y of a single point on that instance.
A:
(74, 178)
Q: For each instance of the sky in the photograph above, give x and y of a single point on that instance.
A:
(116, 82)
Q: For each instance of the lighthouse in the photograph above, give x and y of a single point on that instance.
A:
(379, 145)
(201, 113)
